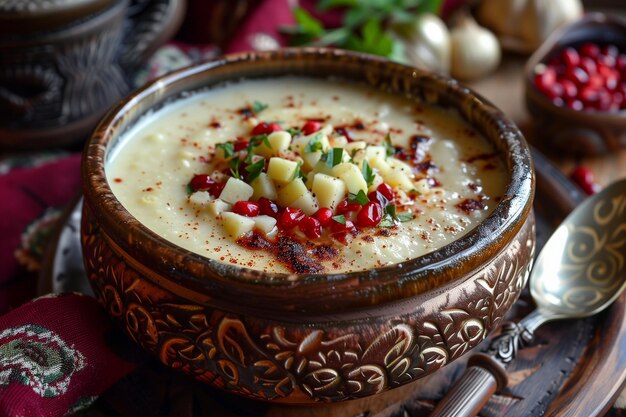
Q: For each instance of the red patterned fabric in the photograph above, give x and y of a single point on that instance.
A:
(56, 355)
(26, 193)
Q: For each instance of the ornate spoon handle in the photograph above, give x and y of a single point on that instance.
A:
(486, 372)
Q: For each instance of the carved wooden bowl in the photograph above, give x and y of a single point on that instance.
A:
(308, 338)
(559, 127)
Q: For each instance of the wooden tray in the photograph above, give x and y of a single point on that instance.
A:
(576, 368)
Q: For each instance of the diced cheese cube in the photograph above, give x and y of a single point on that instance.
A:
(351, 175)
(338, 141)
(320, 166)
(328, 190)
(307, 203)
(375, 152)
(310, 159)
(400, 175)
(381, 166)
(354, 146)
(200, 198)
(264, 224)
(399, 180)
(217, 207)
(281, 170)
(291, 192)
(236, 190)
(278, 141)
(300, 144)
(263, 187)
(236, 225)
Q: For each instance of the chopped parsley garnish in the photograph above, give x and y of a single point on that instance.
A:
(391, 217)
(390, 150)
(298, 171)
(189, 188)
(404, 217)
(294, 131)
(334, 157)
(254, 142)
(367, 172)
(254, 170)
(360, 198)
(315, 144)
(227, 147)
(340, 219)
(258, 107)
(234, 164)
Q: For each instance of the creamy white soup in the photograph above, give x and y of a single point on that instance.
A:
(306, 175)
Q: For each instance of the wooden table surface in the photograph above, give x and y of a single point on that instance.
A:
(505, 89)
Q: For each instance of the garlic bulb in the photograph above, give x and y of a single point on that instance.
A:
(475, 51)
(427, 43)
(522, 25)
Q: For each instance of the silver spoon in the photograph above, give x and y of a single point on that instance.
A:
(580, 272)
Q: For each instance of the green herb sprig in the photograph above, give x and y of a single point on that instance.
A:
(365, 26)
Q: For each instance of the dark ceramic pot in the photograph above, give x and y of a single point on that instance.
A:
(308, 338)
(64, 63)
(561, 128)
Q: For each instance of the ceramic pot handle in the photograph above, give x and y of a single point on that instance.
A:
(152, 22)
(482, 378)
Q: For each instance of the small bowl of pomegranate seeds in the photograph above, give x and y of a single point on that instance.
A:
(576, 87)
(305, 226)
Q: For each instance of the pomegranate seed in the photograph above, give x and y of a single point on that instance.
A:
(370, 215)
(569, 88)
(589, 65)
(545, 79)
(590, 50)
(570, 57)
(311, 227)
(217, 189)
(611, 81)
(268, 207)
(621, 62)
(588, 95)
(201, 182)
(240, 145)
(290, 217)
(345, 207)
(386, 190)
(596, 81)
(610, 50)
(607, 60)
(577, 75)
(378, 197)
(265, 128)
(584, 178)
(247, 208)
(311, 127)
(324, 215)
(575, 105)
(337, 227)
(604, 100)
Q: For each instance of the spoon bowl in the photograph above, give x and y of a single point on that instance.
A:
(582, 268)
